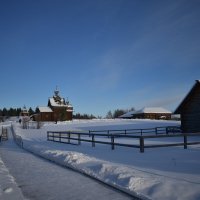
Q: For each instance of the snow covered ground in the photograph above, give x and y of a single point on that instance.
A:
(8, 187)
(159, 173)
(40, 179)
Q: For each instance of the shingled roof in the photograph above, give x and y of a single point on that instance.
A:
(187, 98)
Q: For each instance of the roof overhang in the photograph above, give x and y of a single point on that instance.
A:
(188, 96)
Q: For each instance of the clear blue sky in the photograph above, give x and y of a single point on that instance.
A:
(102, 54)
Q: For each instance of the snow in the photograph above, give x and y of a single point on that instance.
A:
(8, 187)
(45, 109)
(55, 104)
(146, 110)
(159, 173)
(40, 179)
(128, 114)
(153, 110)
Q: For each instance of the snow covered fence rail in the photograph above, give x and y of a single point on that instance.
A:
(118, 140)
(184, 143)
(68, 136)
(18, 139)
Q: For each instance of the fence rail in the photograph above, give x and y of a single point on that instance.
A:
(156, 131)
(138, 141)
(18, 139)
(4, 134)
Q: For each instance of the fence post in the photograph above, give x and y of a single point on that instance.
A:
(60, 137)
(79, 139)
(112, 142)
(6, 134)
(141, 131)
(156, 130)
(125, 132)
(141, 144)
(108, 133)
(167, 130)
(53, 136)
(93, 142)
(185, 141)
(69, 137)
(47, 135)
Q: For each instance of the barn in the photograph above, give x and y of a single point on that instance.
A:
(189, 109)
(149, 113)
(152, 113)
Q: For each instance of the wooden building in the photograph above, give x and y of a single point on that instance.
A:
(45, 113)
(58, 109)
(149, 113)
(24, 112)
(189, 109)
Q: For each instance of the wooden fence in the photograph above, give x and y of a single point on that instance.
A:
(4, 134)
(18, 139)
(156, 131)
(137, 137)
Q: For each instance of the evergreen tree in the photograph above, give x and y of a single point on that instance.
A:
(118, 113)
(18, 111)
(37, 110)
(63, 115)
(31, 112)
(5, 112)
(109, 115)
(83, 116)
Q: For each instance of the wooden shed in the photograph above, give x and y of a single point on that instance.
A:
(189, 109)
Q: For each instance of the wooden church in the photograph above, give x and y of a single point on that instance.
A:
(58, 109)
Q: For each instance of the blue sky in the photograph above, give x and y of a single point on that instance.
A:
(102, 54)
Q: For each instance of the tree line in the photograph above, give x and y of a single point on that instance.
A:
(117, 113)
(14, 112)
(83, 116)
(110, 114)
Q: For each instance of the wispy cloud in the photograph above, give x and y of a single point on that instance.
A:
(108, 70)
(165, 102)
(168, 35)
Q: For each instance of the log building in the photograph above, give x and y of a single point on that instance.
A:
(189, 109)
(149, 113)
(58, 109)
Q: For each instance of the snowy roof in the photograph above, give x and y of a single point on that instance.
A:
(44, 109)
(145, 110)
(127, 115)
(153, 110)
(187, 97)
(57, 103)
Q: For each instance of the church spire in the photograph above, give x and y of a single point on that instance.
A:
(56, 92)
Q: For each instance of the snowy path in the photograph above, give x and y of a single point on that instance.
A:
(40, 179)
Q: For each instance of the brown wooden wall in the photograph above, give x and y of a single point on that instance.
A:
(152, 116)
(60, 114)
(190, 114)
(46, 116)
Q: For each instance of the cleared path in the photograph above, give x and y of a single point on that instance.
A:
(40, 179)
